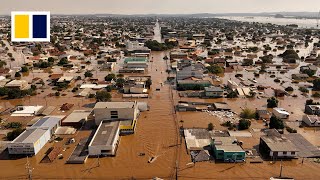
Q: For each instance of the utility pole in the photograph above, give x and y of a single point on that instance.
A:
(280, 169)
(176, 170)
(29, 169)
(99, 160)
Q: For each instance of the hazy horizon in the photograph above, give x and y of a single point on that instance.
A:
(158, 7)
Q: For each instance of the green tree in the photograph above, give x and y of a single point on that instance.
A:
(63, 61)
(2, 64)
(51, 59)
(244, 124)
(215, 69)
(57, 93)
(17, 75)
(109, 77)
(316, 84)
(120, 82)
(309, 72)
(272, 102)
(148, 83)
(289, 89)
(88, 74)
(13, 134)
(24, 69)
(4, 91)
(13, 125)
(103, 96)
(276, 123)
(210, 127)
(120, 75)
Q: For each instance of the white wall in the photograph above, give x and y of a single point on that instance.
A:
(123, 113)
(96, 149)
(280, 154)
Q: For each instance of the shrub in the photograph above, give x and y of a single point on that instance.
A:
(289, 89)
(248, 113)
(291, 130)
(210, 127)
(244, 124)
(272, 102)
(13, 125)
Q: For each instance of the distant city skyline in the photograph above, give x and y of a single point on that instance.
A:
(158, 6)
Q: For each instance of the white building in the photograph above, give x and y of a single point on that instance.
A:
(35, 137)
(27, 111)
(18, 84)
(311, 120)
(115, 111)
(106, 139)
(277, 146)
(134, 45)
(232, 85)
(280, 113)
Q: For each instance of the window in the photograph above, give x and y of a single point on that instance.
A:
(284, 152)
(293, 153)
(114, 114)
(105, 151)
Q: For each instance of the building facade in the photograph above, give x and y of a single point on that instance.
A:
(32, 140)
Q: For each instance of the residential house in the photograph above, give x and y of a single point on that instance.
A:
(190, 71)
(280, 113)
(311, 120)
(299, 76)
(18, 84)
(226, 149)
(274, 145)
(312, 109)
(263, 114)
(213, 91)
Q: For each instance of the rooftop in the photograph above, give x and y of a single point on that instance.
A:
(30, 136)
(226, 144)
(213, 88)
(135, 59)
(115, 105)
(46, 122)
(77, 116)
(106, 133)
(281, 110)
(278, 143)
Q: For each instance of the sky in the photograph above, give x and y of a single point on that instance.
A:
(158, 6)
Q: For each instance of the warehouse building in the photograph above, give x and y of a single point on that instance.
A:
(32, 140)
(106, 139)
(111, 111)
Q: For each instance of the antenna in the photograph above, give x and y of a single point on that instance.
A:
(29, 169)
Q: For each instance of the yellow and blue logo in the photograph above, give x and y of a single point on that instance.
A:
(29, 26)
